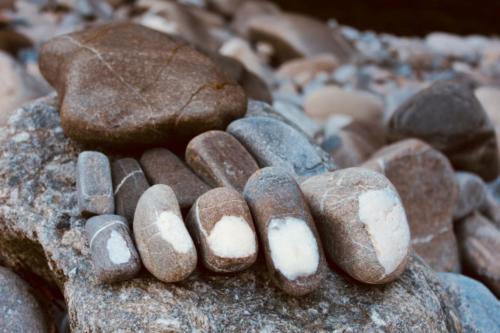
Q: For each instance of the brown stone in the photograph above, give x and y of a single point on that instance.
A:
(248, 10)
(303, 70)
(220, 160)
(426, 184)
(222, 227)
(290, 242)
(122, 84)
(164, 167)
(479, 242)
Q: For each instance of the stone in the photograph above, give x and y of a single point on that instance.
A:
(114, 256)
(121, 99)
(220, 160)
(94, 184)
(164, 167)
(226, 7)
(477, 307)
(303, 70)
(426, 184)
(293, 252)
(491, 209)
(222, 227)
(294, 116)
(479, 243)
(165, 246)
(489, 98)
(471, 194)
(449, 117)
(129, 182)
(38, 211)
(332, 100)
(274, 143)
(362, 223)
(248, 10)
(19, 310)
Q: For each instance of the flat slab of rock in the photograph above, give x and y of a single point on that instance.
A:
(39, 226)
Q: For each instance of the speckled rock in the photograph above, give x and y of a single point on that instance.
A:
(38, 211)
(471, 194)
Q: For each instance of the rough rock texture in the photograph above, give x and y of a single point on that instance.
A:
(39, 226)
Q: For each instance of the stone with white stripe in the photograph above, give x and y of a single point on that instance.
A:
(113, 252)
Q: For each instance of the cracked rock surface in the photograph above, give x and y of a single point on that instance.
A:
(41, 231)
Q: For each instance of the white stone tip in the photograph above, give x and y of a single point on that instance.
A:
(173, 230)
(383, 213)
(293, 247)
(117, 248)
(232, 237)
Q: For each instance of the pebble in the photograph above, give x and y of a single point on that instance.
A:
(274, 143)
(426, 184)
(289, 239)
(303, 70)
(449, 117)
(471, 194)
(94, 184)
(165, 246)
(295, 117)
(490, 100)
(164, 167)
(479, 242)
(113, 252)
(222, 226)
(129, 182)
(247, 11)
(362, 222)
(220, 160)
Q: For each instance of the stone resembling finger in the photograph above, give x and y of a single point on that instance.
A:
(129, 182)
(164, 167)
(220, 160)
(94, 184)
(294, 255)
(222, 226)
(113, 252)
(165, 246)
(361, 221)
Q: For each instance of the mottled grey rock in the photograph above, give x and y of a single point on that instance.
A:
(471, 194)
(38, 215)
(297, 117)
(477, 307)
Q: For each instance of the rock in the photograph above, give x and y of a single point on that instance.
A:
(165, 246)
(331, 100)
(449, 117)
(489, 98)
(450, 45)
(121, 99)
(220, 160)
(94, 184)
(303, 70)
(491, 209)
(226, 7)
(294, 116)
(222, 226)
(426, 184)
(19, 310)
(479, 242)
(274, 143)
(362, 223)
(471, 194)
(164, 167)
(477, 307)
(114, 256)
(248, 10)
(129, 182)
(293, 252)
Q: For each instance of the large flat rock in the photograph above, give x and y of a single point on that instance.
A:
(40, 230)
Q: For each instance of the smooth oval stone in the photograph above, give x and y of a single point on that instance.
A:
(293, 253)
(220, 160)
(123, 85)
(94, 184)
(472, 194)
(221, 223)
(449, 117)
(113, 252)
(362, 223)
(274, 143)
(166, 248)
(129, 182)
(164, 167)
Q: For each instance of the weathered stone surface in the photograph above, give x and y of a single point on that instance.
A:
(38, 211)
(164, 167)
(220, 160)
(449, 117)
(361, 221)
(19, 310)
(222, 227)
(471, 194)
(479, 243)
(426, 183)
(139, 87)
(478, 308)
